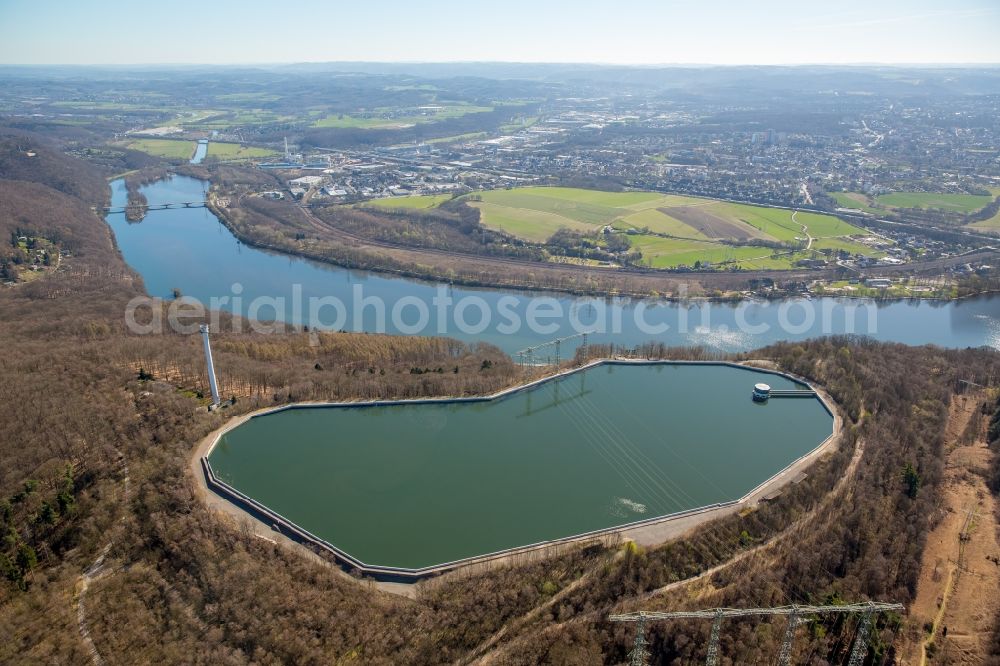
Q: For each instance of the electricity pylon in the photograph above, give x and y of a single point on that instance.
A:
(785, 656)
(795, 614)
(529, 352)
(639, 653)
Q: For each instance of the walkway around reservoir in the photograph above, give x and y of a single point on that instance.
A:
(647, 531)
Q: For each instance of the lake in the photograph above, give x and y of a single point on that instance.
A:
(423, 484)
(190, 250)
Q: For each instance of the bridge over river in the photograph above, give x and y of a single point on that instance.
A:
(164, 206)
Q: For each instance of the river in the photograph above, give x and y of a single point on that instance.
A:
(200, 152)
(188, 249)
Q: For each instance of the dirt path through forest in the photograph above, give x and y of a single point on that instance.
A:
(951, 620)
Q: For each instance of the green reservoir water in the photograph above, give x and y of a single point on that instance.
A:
(418, 485)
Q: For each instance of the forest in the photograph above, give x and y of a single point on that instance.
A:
(105, 540)
(452, 226)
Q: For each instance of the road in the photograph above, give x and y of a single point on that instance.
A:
(805, 230)
(878, 137)
(805, 194)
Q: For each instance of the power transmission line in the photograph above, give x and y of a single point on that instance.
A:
(795, 614)
(528, 353)
(639, 653)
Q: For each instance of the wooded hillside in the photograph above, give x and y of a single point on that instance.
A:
(93, 455)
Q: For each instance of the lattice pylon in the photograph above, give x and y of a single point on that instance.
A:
(860, 649)
(639, 654)
(785, 657)
(867, 610)
(713, 641)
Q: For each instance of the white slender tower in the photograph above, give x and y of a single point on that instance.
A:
(211, 366)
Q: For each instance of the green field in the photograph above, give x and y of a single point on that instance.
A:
(249, 97)
(657, 222)
(855, 200)
(673, 252)
(107, 106)
(903, 288)
(954, 203)
(673, 230)
(174, 149)
(535, 213)
(234, 151)
(181, 149)
(778, 224)
(533, 225)
(516, 126)
(415, 202)
(379, 119)
(353, 122)
(195, 117)
(457, 137)
(991, 225)
(247, 117)
(661, 252)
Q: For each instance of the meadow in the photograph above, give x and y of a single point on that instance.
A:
(242, 117)
(235, 151)
(855, 200)
(182, 149)
(457, 137)
(992, 224)
(517, 126)
(660, 252)
(174, 149)
(954, 203)
(673, 230)
(379, 120)
(415, 202)
(688, 217)
(249, 97)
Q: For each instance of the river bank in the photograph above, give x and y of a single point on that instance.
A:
(349, 250)
(194, 252)
(298, 232)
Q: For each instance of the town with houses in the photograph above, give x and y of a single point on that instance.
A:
(674, 155)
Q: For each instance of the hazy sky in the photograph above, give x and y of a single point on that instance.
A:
(622, 31)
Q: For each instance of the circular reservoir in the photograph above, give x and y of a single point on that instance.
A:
(417, 485)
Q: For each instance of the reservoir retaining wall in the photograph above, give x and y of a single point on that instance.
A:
(406, 575)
